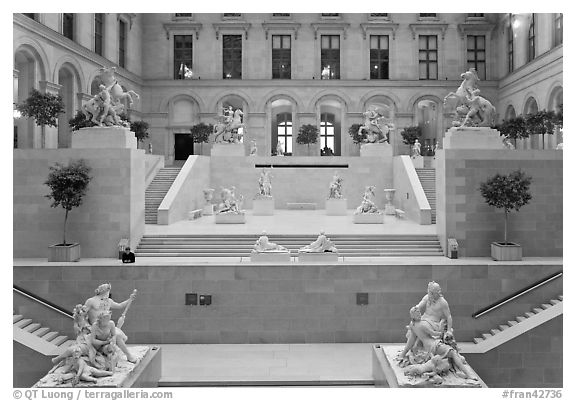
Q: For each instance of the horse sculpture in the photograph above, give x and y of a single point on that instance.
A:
(471, 109)
(226, 125)
(116, 92)
(376, 125)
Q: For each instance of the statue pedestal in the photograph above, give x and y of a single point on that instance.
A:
(104, 138)
(336, 207)
(270, 257)
(317, 257)
(389, 208)
(368, 218)
(228, 149)
(472, 138)
(263, 206)
(230, 218)
(376, 150)
(418, 161)
(208, 210)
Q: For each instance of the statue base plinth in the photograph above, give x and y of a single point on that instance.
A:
(270, 257)
(417, 161)
(390, 210)
(387, 373)
(263, 206)
(104, 138)
(376, 150)
(230, 218)
(472, 138)
(368, 218)
(208, 210)
(317, 257)
(336, 207)
(228, 149)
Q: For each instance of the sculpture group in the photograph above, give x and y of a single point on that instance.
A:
(100, 345)
(368, 205)
(105, 107)
(336, 187)
(265, 184)
(321, 244)
(231, 203)
(227, 126)
(376, 125)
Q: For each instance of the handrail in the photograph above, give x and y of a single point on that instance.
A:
(517, 294)
(41, 300)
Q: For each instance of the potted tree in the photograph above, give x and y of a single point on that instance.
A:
(44, 108)
(508, 192)
(410, 134)
(68, 185)
(200, 133)
(307, 134)
(514, 128)
(540, 123)
(357, 137)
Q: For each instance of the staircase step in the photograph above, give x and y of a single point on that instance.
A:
(546, 306)
(486, 335)
(59, 340)
(537, 310)
(67, 343)
(512, 323)
(554, 301)
(529, 314)
(23, 323)
(521, 318)
(51, 335)
(17, 318)
(494, 331)
(478, 340)
(561, 297)
(503, 327)
(32, 327)
(41, 331)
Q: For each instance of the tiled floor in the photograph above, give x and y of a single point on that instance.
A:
(245, 364)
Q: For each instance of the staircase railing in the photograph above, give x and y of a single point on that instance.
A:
(517, 294)
(45, 302)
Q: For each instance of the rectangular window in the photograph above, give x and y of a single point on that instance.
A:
(98, 33)
(558, 28)
(379, 15)
(330, 57)
(330, 15)
(510, 49)
(476, 54)
(428, 57)
(477, 15)
(122, 44)
(183, 15)
(327, 134)
(68, 25)
(182, 56)
(232, 56)
(532, 38)
(281, 57)
(427, 15)
(284, 123)
(231, 15)
(280, 15)
(379, 53)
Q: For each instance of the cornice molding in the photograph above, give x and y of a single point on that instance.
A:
(231, 26)
(428, 26)
(330, 25)
(182, 26)
(379, 26)
(281, 25)
(475, 26)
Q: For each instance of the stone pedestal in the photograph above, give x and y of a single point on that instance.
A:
(389, 208)
(230, 218)
(208, 210)
(418, 161)
(336, 207)
(368, 218)
(472, 138)
(270, 256)
(376, 150)
(104, 138)
(228, 149)
(317, 257)
(263, 206)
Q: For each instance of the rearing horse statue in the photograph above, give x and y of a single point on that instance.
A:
(116, 92)
(223, 130)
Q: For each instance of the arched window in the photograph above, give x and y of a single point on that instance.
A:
(510, 113)
(284, 129)
(531, 107)
(327, 132)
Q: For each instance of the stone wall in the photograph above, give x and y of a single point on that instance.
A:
(533, 359)
(292, 303)
(462, 212)
(113, 207)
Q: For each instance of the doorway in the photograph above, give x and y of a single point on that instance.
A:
(183, 146)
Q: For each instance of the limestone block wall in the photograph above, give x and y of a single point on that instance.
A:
(533, 359)
(113, 207)
(292, 303)
(299, 184)
(409, 195)
(463, 214)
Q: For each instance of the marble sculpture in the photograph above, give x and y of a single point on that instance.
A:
(321, 244)
(226, 129)
(264, 245)
(368, 205)
(336, 187)
(376, 125)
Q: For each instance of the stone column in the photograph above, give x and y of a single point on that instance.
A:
(49, 136)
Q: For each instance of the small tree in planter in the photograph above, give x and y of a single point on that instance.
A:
(514, 128)
(307, 134)
(44, 108)
(410, 134)
(357, 137)
(540, 123)
(68, 185)
(508, 192)
(140, 130)
(200, 133)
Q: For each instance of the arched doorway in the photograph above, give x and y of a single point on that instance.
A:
(183, 115)
(556, 104)
(282, 126)
(531, 107)
(66, 79)
(28, 72)
(427, 118)
(330, 119)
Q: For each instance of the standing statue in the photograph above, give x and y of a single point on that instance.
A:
(416, 148)
(227, 126)
(279, 148)
(265, 183)
(253, 148)
(335, 187)
(472, 110)
(436, 147)
(264, 245)
(321, 244)
(368, 205)
(376, 125)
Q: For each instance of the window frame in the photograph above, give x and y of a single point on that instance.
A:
(284, 124)
(428, 51)
(558, 35)
(476, 61)
(231, 50)
(122, 42)
(178, 61)
(283, 52)
(380, 59)
(510, 46)
(72, 28)
(329, 53)
(325, 123)
(532, 38)
(99, 36)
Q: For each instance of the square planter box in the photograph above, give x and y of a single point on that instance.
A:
(368, 218)
(270, 257)
(64, 253)
(317, 257)
(263, 206)
(208, 210)
(510, 251)
(230, 218)
(336, 207)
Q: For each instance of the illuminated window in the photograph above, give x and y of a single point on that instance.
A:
(182, 56)
(327, 134)
(284, 126)
(330, 57)
(281, 57)
(232, 56)
(379, 56)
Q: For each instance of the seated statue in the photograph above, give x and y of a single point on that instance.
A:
(263, 245)
(322, 244)
(368, 205)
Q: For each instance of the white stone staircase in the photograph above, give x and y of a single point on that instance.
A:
(514, 328)
(427, 178)
(38, 337)
(157, 190)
